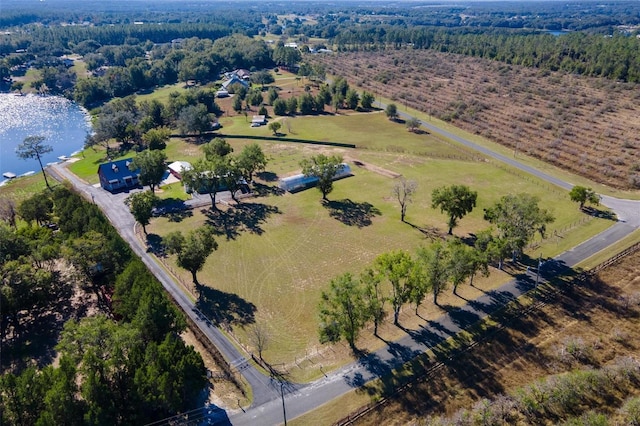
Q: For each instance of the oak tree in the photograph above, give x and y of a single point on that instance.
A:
(455, 200)
(324, 168)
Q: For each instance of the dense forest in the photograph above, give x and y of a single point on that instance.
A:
(126, 364)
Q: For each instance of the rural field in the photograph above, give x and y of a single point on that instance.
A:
(588, 126)
(277, 252)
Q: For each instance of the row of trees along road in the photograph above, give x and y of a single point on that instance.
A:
(397, 277)
(125, 364)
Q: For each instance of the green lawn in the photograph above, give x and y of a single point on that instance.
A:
(278, 253)
(24, 187)
(533, 162)
(161, 93)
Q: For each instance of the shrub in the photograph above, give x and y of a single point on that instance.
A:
(631, 411)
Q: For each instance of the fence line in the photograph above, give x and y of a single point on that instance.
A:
(355, 415)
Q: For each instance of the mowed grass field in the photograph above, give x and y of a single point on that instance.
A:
(277, 253)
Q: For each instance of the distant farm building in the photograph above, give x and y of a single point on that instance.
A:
(259, 120)
(177, 168)
(300, 182)
(116, 175)
(234, 80)
(240, 73)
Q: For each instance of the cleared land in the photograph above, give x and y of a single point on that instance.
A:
(278, 252)
(586, 125)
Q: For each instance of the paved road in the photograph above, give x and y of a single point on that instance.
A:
(267, 407)
(119, 215)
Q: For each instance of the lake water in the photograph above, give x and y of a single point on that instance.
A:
(63, 124)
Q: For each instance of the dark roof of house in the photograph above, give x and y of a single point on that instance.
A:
(117, 169)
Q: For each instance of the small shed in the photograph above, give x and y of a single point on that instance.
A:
(222, 93)
(116, 175)
(177, 168)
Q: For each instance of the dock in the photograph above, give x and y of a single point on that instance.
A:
(9, 175)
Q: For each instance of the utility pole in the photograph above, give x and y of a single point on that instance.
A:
(284, 410)
(538, 269)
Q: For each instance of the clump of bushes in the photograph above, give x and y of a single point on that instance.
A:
(575, 398)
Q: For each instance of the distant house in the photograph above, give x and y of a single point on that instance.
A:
(67, 62)
(259, 119)
(177, 168)
(116, 176)
(240, 73)
(243, 74)
(234, 79)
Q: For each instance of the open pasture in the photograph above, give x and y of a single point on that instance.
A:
(278, 252)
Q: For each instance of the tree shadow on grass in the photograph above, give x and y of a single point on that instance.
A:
(601, 214)
(223, 308)
(173, 208)
(352, 213)
(248, 217)
(430, 232)
(154, 245)
(261, 190)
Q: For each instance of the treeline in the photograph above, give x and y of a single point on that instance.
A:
(616, 57)
(147, 124)
(64, 38)
(121, 70)
(125, 365)
(244, 17)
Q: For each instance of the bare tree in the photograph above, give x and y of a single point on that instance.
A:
(259, 337)
(403, 190)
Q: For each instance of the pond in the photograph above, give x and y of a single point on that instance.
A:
(62, 123)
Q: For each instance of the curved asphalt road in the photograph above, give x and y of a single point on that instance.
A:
(267, 407)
